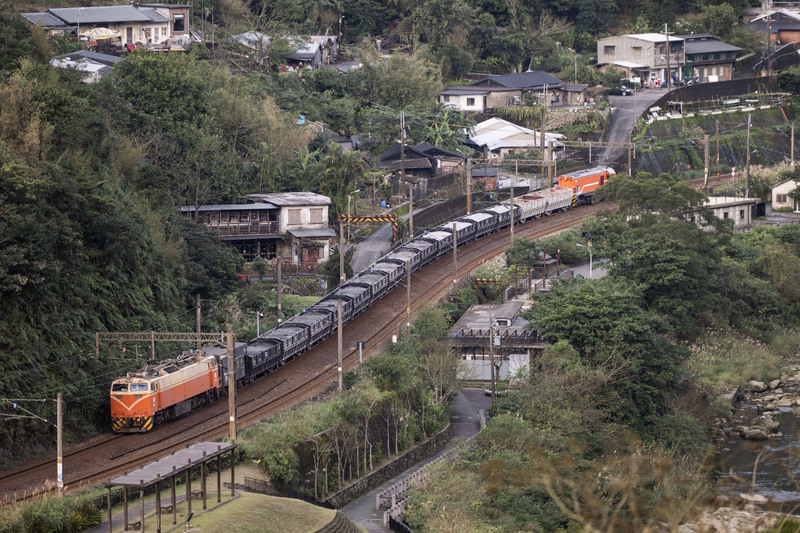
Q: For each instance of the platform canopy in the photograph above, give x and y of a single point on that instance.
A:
(172, 464)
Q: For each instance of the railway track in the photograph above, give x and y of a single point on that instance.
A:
(109, 455)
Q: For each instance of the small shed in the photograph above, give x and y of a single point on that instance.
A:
(167, 469)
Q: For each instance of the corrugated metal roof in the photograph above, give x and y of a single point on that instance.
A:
(230, 207)
(290, 198)
(154, 15)
(171, 464)
(497, 133)
(96, 15)
(105, 59)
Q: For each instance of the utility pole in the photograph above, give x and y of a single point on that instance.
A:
(705, 150)
(542, 136)
(348, 218)
(341, 253)
(339, 343)
(491, 359)
(60, 445)
(550, 163)
(769, 41)
(469, 185)
(197, 318)
(231, 342)
(630, 161)
(279, 262)
(747, 164)
(402, 152)
(792, 150)
(455, 254)
(716, 129)
(408, 297)
(410, 210)
(511, 209)
(669, 73)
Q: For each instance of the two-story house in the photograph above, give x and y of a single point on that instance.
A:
(139, 24)
(708, 59)
(291, 225)
(644, 55)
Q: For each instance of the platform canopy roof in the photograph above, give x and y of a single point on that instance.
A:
(172, 464)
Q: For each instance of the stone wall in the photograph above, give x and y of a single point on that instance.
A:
(365, 484)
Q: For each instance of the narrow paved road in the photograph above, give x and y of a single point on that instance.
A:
(626, 110)
(465, 423)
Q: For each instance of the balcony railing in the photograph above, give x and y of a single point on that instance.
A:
(674, 60)
(244, 228)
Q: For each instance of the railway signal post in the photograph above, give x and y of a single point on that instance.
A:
(455, 255)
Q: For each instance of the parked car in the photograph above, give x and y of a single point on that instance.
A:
(620, 91)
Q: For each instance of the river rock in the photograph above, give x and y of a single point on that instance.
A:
(785, 402)
(754, 433)
(774, 384)
(757, 386)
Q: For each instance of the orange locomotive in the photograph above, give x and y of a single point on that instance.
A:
(163, 391)
(584, 182)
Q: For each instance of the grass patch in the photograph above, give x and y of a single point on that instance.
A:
(723, 363)
(256, 513)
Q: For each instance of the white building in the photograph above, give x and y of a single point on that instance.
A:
(499, 137)
(781, 198)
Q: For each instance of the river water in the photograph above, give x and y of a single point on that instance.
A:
(769, 468)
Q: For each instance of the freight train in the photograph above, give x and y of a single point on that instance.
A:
(170, 388)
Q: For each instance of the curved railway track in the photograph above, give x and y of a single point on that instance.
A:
(312, 373)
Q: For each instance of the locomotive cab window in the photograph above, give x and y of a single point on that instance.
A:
(138, 386)
(119, 387)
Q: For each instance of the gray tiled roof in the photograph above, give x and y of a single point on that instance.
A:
(45, 20)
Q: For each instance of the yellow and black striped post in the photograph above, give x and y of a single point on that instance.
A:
(574, 200)
(377, 218)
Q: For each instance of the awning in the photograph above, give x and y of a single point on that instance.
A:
(305, 233)
(628, 64)
(99, 34)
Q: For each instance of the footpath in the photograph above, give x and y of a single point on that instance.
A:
(464, 422)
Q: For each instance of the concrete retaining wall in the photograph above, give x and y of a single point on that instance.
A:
(365, 484)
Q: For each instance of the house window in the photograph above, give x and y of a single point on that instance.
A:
(741, 214)
(243, 216)
(445, 98)
(725, 214)
(782, 198)
(155, 33)
(316, 216)
(223, 217)
(609, 50)
(164, 32)
(178, 23)
(470, 102)
(637, 51)
(294, 216)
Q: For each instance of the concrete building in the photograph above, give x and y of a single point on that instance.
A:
(742, 211)
(514, 341)
(291, 225)
(92, 64)
(644, 56)
(781, 198)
